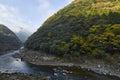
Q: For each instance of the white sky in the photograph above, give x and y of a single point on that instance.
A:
(28, 14)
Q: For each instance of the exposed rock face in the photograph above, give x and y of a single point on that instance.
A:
(8, 40)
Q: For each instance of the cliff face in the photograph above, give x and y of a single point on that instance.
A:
(8, 40)
(83, 27)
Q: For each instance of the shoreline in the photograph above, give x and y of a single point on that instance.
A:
(21, 76)
(96, 65)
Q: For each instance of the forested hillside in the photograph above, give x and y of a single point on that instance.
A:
(8, 40)
(84, 27)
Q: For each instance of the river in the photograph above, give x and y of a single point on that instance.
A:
(9, 64)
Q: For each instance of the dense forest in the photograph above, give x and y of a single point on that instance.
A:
(8, 39)
(84, 27)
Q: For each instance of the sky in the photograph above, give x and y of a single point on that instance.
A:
(28, 15)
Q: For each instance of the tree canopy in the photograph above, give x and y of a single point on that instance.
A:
(83, 27)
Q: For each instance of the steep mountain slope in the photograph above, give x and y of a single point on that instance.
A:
(8, 40)
(83, 27)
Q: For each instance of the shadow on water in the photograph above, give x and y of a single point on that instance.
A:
(9, 64)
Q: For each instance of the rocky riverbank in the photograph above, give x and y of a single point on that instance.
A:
(100, 66)
(20, 76)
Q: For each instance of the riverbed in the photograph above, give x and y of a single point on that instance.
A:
(9, 64)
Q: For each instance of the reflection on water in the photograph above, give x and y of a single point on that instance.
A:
(9, 64)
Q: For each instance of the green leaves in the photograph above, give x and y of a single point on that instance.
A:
(90, 27)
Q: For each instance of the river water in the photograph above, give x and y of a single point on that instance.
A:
(9, 64)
